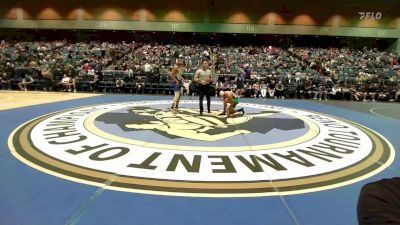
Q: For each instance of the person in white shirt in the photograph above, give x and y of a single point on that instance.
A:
(65, 83)
(148, 70)
(263, 89)
(186, 86)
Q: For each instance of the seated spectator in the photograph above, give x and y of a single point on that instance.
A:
(309, 90)
(140, 84)
(263, 89)
(5, 81)
(271, 89)
(148, 70)
(322, 92)
(255, 90)
(300, 90)
(233, 86)
(397, 93)
(355, 93)
(186, 86)
(314, 92)
(219, 87)
(336, 92)
(120, 85)
(72, 83)
(383, 93)
(67, 83)
(279, 90)
(94, 83)
(28, 80)
(347, 92)
(370, 92)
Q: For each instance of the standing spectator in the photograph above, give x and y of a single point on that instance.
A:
(204, 79)
(47, 75)
(28, 80)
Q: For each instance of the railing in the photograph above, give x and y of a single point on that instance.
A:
(347, 74)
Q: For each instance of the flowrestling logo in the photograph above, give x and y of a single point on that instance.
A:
(145, 147)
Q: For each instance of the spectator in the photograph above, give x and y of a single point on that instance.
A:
(263, 89)
(119, 85)
(271, 89)
(300, 90)
(72, 84)
(148, 70)
(47, 76)
(279, 90)
(322, 92)
(397, 93)
(186, 86)
(5, 81)
(64, 83)
(336, 92)
(26, 81)
(342, 64)
(239, 80)
(370, 92)
(94, 83)
(255, 90)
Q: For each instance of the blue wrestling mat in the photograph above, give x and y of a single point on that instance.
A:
(122, 159)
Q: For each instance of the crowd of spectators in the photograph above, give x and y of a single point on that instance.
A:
(251, 71)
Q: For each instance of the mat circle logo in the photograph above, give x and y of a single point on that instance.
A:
(145, 147)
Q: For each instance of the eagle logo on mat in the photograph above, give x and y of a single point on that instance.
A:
(186, 123)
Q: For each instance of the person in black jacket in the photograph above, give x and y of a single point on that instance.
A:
(379, 202)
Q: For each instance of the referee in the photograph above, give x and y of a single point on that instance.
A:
(204, 79)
